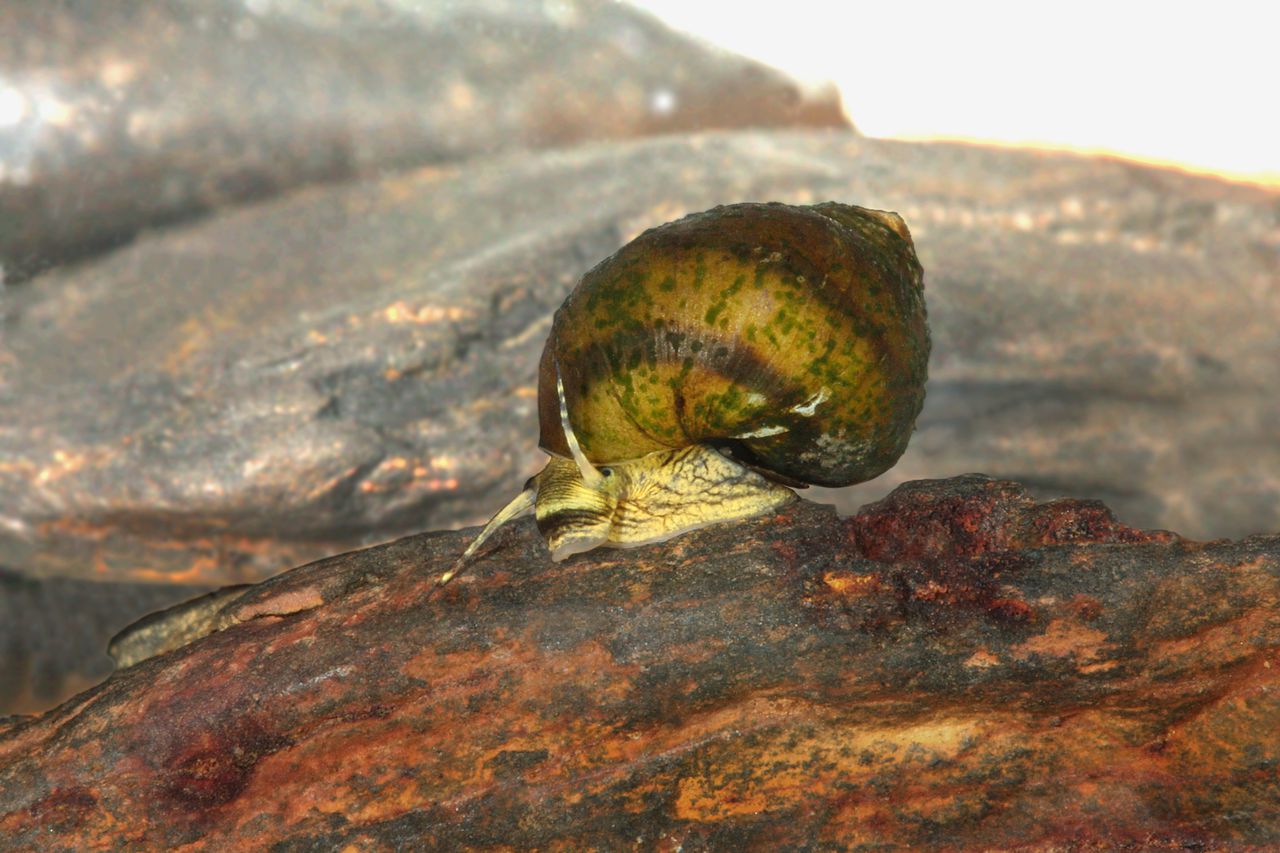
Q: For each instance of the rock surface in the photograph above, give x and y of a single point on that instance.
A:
(351, 363)
(124, 115)
(955, 667)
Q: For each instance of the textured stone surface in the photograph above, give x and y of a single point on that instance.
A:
(956, 667)
(279, 383)
(133, 113)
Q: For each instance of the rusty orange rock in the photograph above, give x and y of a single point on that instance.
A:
(956, 667)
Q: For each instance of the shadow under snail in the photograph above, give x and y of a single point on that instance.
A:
(714, 362)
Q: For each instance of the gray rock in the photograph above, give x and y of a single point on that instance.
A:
(124, 115)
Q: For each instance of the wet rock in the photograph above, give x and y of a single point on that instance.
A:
(955, 667)
(120, 116)
(351, 363)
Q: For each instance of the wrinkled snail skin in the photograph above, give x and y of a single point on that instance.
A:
(647, 500)
(716, 357)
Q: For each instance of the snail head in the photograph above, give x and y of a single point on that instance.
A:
(580, 506)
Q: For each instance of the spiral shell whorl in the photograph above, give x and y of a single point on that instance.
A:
(795, 334)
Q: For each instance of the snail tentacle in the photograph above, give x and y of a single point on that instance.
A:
(520, 505)
(590, 475)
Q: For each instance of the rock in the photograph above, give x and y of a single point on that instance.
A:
(353, 363)
(121, 116)
(955, 667)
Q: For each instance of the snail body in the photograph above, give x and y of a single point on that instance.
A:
(703, 368)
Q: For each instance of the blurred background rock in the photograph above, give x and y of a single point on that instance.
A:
(276, 275)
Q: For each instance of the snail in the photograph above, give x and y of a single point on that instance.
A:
(713, 363)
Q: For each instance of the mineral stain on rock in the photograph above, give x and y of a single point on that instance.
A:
(216, 768)
(64, 809)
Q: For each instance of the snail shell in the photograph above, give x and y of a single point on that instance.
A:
(716, 356)
(796, 333)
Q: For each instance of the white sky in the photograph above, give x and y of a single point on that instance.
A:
(1195, 84)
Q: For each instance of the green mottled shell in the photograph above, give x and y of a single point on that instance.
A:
(734, 322)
